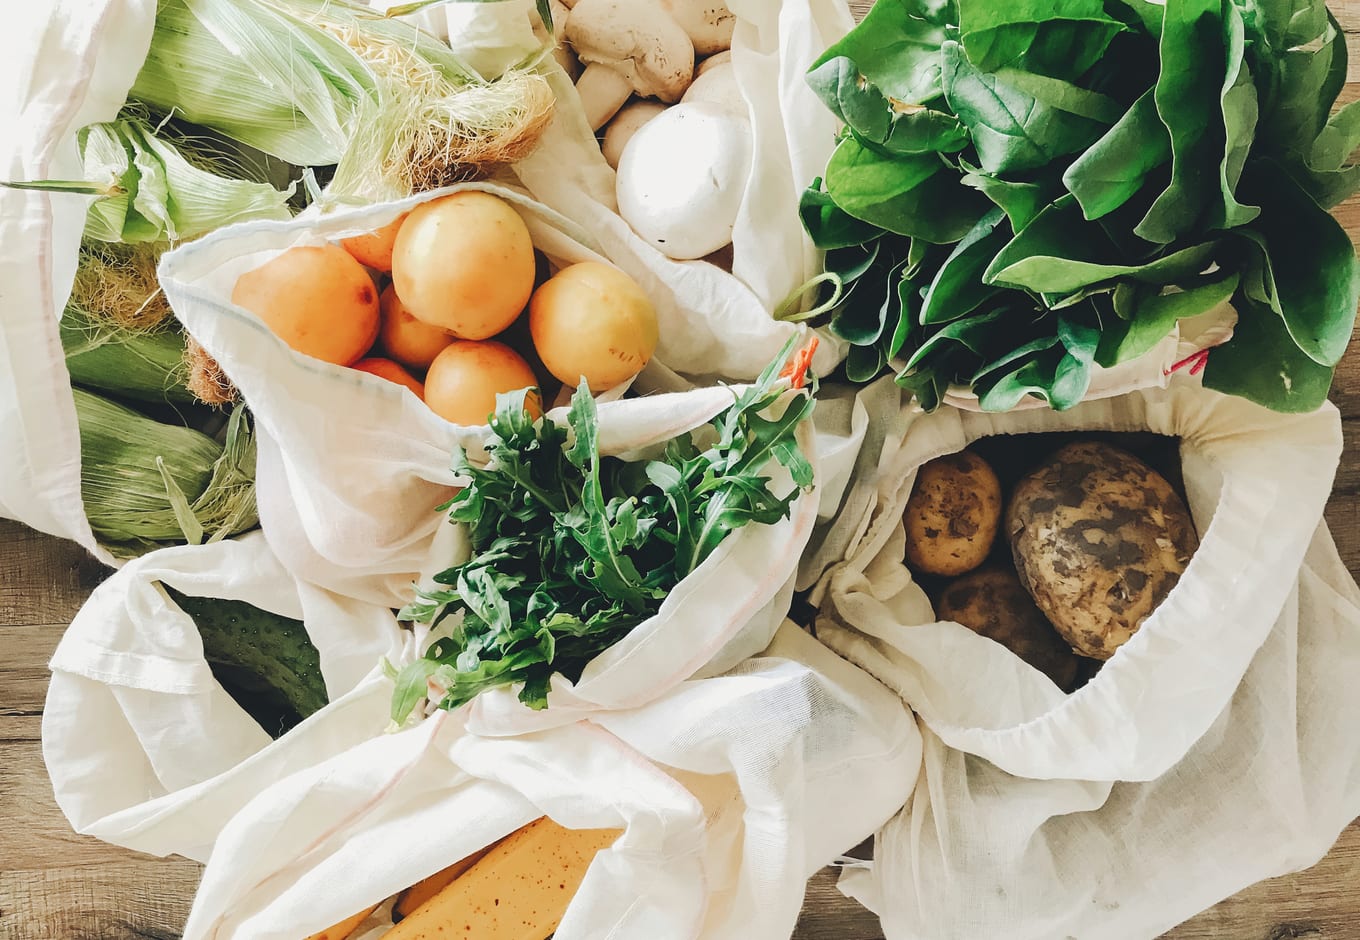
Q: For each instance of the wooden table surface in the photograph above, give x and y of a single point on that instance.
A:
(55, 885)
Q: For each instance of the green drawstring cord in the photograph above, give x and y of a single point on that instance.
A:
(787, 311)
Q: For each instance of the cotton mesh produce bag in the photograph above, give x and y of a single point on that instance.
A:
(1205, 755)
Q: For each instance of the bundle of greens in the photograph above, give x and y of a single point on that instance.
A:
(1025, 190)
(572, 550)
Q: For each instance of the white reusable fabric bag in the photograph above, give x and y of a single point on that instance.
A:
(63, 64)
(132, 696)
(1205, 755)
(716, 324)
(144, 748)
(733, 790)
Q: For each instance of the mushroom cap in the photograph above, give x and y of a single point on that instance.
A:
(719, 86)
(712, 62)
(682, 177)
(708, 23)
(626, 123)
(637, 39)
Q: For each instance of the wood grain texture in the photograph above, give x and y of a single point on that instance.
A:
(56, 885)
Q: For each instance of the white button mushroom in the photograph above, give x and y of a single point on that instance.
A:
(708, 23)
(719, 86)
(628, 46)
(626, 123)
(682, 177)
(712, 62)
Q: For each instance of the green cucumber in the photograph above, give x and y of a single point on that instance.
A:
(266, 662)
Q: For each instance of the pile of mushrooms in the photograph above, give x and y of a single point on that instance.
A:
(657, 77)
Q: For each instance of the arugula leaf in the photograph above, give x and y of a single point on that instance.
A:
(571, 549)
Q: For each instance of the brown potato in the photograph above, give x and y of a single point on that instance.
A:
(952, 515)
(1099, 540)
(993, 603)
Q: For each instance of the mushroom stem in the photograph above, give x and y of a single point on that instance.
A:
(603, 91)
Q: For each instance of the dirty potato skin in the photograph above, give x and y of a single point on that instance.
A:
(993, 603)
(1099, 540)
(952, 515)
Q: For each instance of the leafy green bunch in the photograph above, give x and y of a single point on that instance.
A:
(1027, 189)
(570, 550)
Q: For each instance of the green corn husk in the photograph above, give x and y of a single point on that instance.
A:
(328, 82)
(144, 483)
(117, 330)
(147, 366)
(162, 192)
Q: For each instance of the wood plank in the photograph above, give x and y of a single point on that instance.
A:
(42, 579)
(23, 669)
(829, 915)
(34, 833)
(131, 899)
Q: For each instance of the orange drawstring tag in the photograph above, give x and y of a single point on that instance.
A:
(797, 369)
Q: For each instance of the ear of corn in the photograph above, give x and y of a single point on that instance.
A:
(328, 82)
(144, 482)
(148, 366)
(242, 68)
